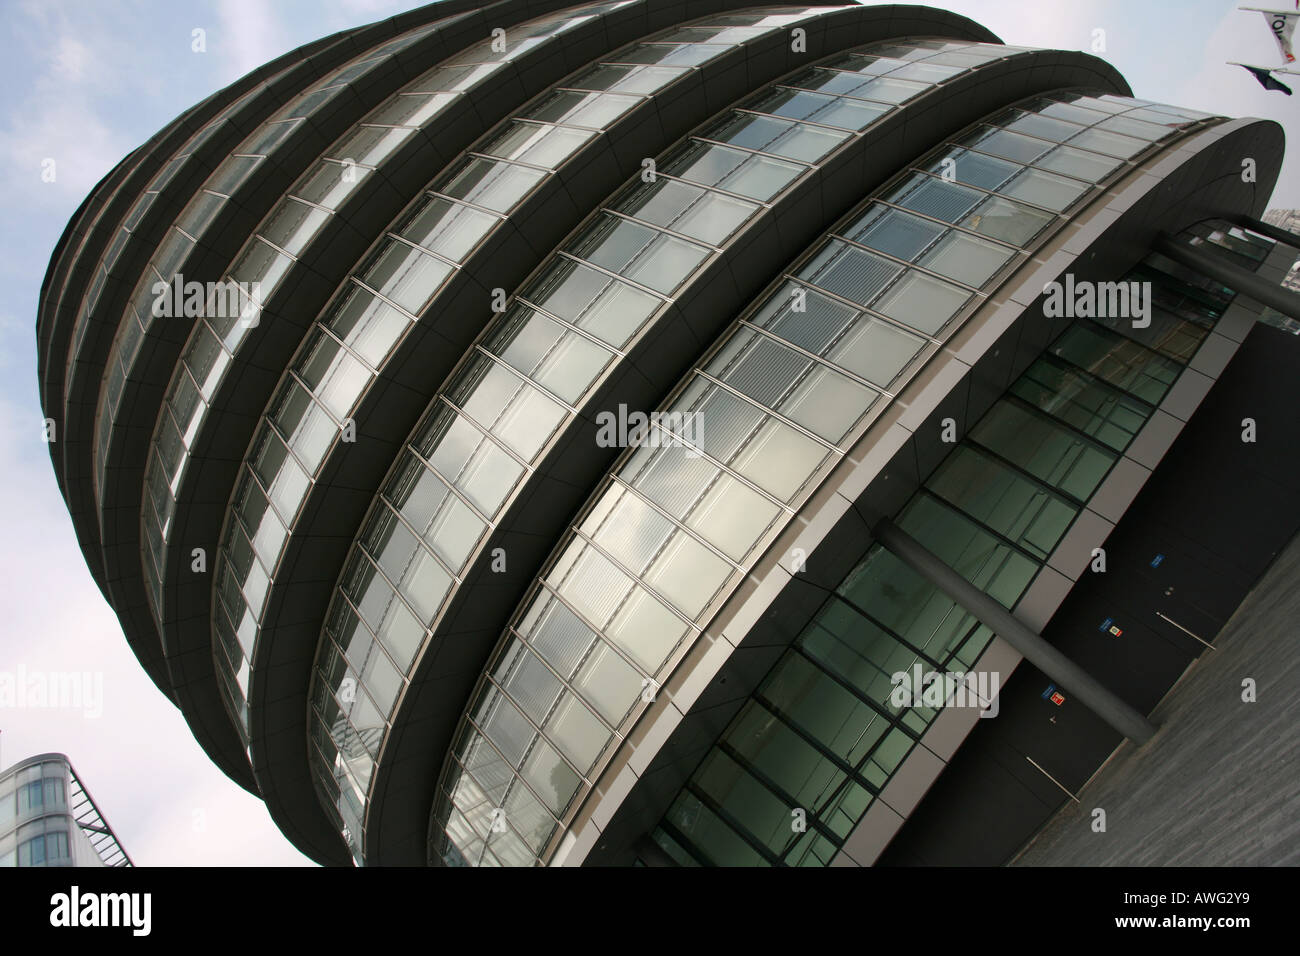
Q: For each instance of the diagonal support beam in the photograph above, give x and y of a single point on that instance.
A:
(1275, 233)
(1200, 259)
(1063, 671)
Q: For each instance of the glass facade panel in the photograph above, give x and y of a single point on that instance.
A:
(786, 388)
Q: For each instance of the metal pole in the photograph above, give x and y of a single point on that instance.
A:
(1062, 670)
(1232, 275)
(1269, 231)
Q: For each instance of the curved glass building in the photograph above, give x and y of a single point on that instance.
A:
(540, 433)
(48, 819)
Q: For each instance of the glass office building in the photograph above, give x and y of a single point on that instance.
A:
(47, 818)
(333, 360)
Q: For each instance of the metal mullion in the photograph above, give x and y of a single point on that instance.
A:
(516, 773)
(313, 745)
(568, 681)
(538, 732)
(915, 742)
(666, 230)
(574, 257)
(748, 400)
(219, 606)
(419, 543)
(347, 599)
(597, 632)
(451, 488)
(887, 631)
(318, 324)
(1071, 429)
(581, 535)
(346, 769)
(732, 823)
(496, 214)
(219, 647)
(787, 85)
(992, 532)
(747, 323)
(915, 266)
(458, 201)
(951, 656)
(689, 846)
(522, 163)
(367, 124)
(889, 203)
(524, 376)
(486, 433)
(694, 503)
(1029, 476)
(234, 513)
(750, 111)
(1041, 490)
(1003, 196)
(1086, 149)
(221, 343)
(1120, 163)
(1053, 359)
(398, 237)
(564, 682)
(171, 417)
(893, 720)
(369, 630)
(1119, 330)
(778, 791)
(451, 799)
(342, 161)
(815, 360)
(640, 97)
(864, 309)
(551, 124)
(788, 721)
(676, 523)
(472, 858)
(701, 453)
(384, 502)
(762, 204)
(641, 254)
(1017, 107)
(344, 707)
(569, 326)
(755, 152)
(261, 238)
(275, 427)
(198, 391)
(305, 202)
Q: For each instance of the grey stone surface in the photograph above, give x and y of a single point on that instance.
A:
(1219, 784)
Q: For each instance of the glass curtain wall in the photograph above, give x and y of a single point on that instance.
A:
(785, 393)
(820, 733)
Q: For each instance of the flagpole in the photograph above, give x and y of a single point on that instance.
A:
(1270, 69)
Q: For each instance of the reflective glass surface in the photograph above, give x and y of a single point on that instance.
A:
(781, 397)
(522, 383)
(447, 226)
(994, 510)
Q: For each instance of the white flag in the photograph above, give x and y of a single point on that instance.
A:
(1283, 26)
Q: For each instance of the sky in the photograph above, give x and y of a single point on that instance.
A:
(85, 82)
